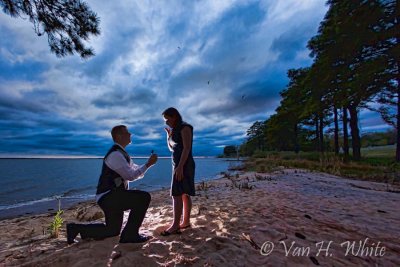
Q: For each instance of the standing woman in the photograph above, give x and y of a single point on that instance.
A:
(179, 141)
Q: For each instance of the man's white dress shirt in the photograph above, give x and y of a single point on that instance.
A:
(129, 171)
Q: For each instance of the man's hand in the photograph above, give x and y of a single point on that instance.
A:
(179, 173)
(152, 160)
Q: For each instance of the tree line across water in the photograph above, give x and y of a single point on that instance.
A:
(355, 66)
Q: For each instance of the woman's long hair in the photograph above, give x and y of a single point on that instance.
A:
(173, 112)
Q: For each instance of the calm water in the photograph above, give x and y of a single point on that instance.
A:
(29, 186)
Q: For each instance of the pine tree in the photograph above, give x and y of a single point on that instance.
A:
(67, 23)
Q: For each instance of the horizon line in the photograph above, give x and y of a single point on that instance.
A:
(81, 157)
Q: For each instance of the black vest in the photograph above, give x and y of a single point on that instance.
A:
(107, 180)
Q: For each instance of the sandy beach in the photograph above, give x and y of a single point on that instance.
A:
(286, 218)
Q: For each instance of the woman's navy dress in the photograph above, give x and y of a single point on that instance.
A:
(185, 186)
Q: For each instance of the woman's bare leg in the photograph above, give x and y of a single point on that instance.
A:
(187, 208)
(177, 205)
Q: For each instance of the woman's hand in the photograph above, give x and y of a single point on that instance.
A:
(168, 131)
(178, 173)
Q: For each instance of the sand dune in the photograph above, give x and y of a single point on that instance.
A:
(309, 219)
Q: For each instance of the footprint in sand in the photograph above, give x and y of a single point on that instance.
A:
(314, 260)
(299, 235)
(159, 229)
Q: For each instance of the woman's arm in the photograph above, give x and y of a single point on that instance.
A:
(187, 141)
(168, 131)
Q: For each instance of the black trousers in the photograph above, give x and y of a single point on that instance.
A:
(113, 205)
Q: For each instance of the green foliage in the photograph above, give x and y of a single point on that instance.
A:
(379, 153)
(376, 168)
(57, 222)
(230, 151)
(379, 139)
(67, 23)
(255, 134)
(355, 62)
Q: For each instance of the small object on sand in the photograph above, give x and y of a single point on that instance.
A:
(314, 260)
(283, 238)
(299, 235)
(307, 216)
(251, 241)
(201, 208)
(382, 211)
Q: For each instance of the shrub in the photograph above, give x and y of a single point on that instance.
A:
(57, 222)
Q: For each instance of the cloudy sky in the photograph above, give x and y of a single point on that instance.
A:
(221, 63)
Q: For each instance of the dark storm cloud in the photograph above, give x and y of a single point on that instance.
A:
(235, 27)
(231, 34)
(221, 64)
(291, 42)
(11, 102)
(122, 97)
(34, 101)
(42, 132)
(250, 98)
(117, 44)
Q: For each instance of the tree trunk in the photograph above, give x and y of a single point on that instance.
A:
(336, 132)
(345, 135)
(321, 133)
(355, 133)
(317, 147)
(296, 144)
(398, 118)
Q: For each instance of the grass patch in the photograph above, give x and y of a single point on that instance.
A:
(57, 222)
(375, 166)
